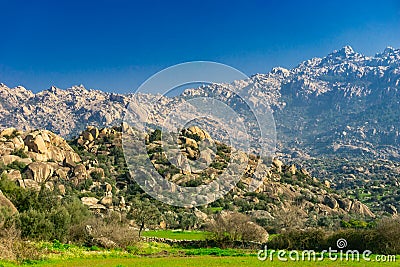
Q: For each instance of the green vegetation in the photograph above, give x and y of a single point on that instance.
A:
(42, 215)
(177, 234)
(143, 212)
(381, 239)
(357, 224)
(203, 261)
(54, 228)
(200, 257)
(155, 135)
(20, 153)
(235, 227)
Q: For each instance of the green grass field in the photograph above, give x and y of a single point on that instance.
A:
(197, 261)
(179, 235)
(159, 254)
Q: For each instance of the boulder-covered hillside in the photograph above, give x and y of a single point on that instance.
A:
(92, 166)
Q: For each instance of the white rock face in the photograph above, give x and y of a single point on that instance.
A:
(336, 79)
(66, 112)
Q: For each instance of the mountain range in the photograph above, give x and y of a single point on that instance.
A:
(336, 115)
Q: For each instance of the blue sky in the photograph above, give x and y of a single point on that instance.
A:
(116, 45)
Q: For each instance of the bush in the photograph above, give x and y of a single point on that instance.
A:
(299, 240)
(381, 239)
(35, 225)
(96, 176)
(22, 198)
(20, 153)
(113, 227)
(358, 224)
(389, 228)
(358, 239)
(42, 215)
(234, 226)
(21, 251)
(187, 220)
(155, 136)
(16, 165)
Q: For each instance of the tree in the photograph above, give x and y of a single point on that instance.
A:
(143, 212)
(155, 136)
(188, 220)
(389, 230)
(170, 219)
(290, 219)
(234, 226)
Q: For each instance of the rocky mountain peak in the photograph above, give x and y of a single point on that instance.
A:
(389, 56)
(53, 89)
(346, 51)
(78, 88)
(280, 71)
(389, 50)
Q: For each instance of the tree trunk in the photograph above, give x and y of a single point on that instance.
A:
(141, 229)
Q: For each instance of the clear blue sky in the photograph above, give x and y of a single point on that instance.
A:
(116, 45)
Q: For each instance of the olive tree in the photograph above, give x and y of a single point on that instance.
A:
(143, 212)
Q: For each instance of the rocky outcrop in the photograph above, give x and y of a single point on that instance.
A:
(44, 145)
(8, 132)
(331, 202)
(35, 143)
(198, 132)
(8, 159)
(89, 201)
(80, 172)
(191, 143)
(278, 164)
(29, 184)
(40, 171)
(13, 175)
(107, 201)
(7, 204)
(360, 208)
(283, 187)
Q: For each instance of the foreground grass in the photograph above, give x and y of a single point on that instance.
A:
(159, 254)
(197, 261)
(178, 235)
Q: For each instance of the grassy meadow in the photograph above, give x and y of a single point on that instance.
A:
(174, 261)
(159, 254)
(176, 234)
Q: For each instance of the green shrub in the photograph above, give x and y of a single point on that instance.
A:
(35, 225)
(357, 224)
(22, 198)
(94, 248)
(20, 153)
(358, 239)
(380, 239)
(57, 245)
(16, 165)
(235, 226)
(96, 176)
(300, 240)
(155, 136)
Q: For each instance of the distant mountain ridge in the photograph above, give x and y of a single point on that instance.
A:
(337, 115)
(342, 106)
